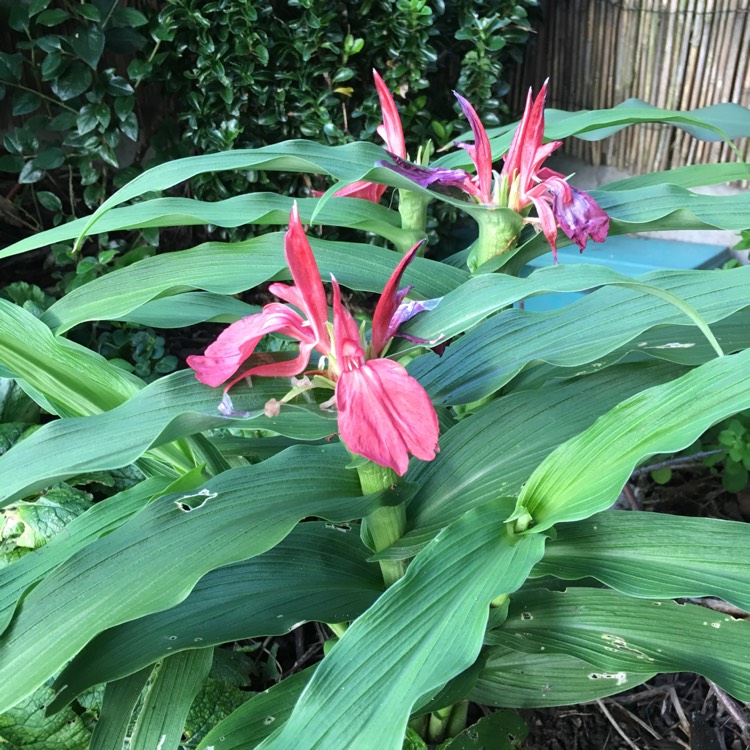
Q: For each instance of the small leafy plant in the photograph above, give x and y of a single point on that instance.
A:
(431, 479)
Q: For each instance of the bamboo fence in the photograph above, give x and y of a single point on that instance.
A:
(675, 54)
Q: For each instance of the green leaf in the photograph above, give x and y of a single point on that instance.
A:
(256, 719)
(69, 375)
(170, 408)
(496, 350)
(85, 122)
(53, 65)
(168, 700)
(569, 484)
(10, 163)
(31, 525)
(232, 268)
(253, 208)
(654, 555)
(318, 573)
(120, 699)
(30, 174)
(129, 17)
(49, 201)
(694, 175)
(11, 66)
(89, 12)
(102, 518)
(25, 726)
(420, 633)
(88, 44)
(263, 501)
(52, 17)
(51, 158)
(25, 102)
(73, 82)
(501, 730)
(615, 633)
(470, 470)
(527, 680)
(181, 310)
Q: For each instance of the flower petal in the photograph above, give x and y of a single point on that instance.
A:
(368, 191)
(301, 261)
(480, 151)
(237, 342)
(391, 130)
(580, 216)
(349, 352)
(384, 414)
(427, 176)
(388, 304)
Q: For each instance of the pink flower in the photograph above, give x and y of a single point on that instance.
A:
(391, 131)
(384, 414)
(522, 181)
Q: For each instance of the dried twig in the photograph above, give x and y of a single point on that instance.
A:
(616, 726)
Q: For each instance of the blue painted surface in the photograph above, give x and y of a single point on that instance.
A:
(632, 256)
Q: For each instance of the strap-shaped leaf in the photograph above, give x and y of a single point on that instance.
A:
(615, 633)
(235, 267)
(256, 719)
(694, 175)
(168, 700)
(714, 123)
(253, 208)
(319, 572)
(163, 551)
(525, 680)
(98, 520)
(118, 704)
(168, 409)
(494, 452)
(424, 630)
(493, 352)
(654, 555)
(570, 485)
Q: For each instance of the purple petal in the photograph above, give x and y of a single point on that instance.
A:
(580, 216)
(426, 176)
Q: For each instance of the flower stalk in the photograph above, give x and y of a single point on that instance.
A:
(385, 525)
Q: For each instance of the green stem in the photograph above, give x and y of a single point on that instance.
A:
(459, 715)
(438, 724)
(498, 231)
(385, 525)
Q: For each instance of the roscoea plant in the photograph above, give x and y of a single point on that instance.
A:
(459, 575)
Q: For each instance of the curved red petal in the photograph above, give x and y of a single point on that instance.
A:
(369, 191)
(237, 342)
(384, 414)
(388, 304)
(301, 262)
(392, 131)
(480, 152)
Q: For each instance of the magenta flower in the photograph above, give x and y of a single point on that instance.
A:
(384, 414)
(523, 180)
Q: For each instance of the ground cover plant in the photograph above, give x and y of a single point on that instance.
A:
(396, 449)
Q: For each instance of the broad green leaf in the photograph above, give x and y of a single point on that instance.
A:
(694, 175)
(501, 730)
(347, 163)
(615, 633)
(189, 308)
(170, 408)
(161, 553)
(527, 680)
(654, 555)
(234, 268)
(68, 374)
(492, 453)
(253, 208)
(319, 572)
(25, 726)
(661, 207)
(102, 518)
(493, 352)
(168, 700)
(423, 631)
(713, 123)
(120, 699)
(571, 484)
(259, 717)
